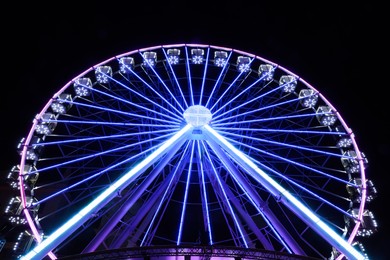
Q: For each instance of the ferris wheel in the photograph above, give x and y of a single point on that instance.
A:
(191, 145)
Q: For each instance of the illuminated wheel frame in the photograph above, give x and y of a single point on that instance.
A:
(191, 144)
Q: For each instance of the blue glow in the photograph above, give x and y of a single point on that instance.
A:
(101, 153)
(224, 93)
(248, 102)
(183, 211)
(265, 119)
(156, 92)
(300, 165)
(177, 82)
(217, 82)
(206, 203)
(295, 205)
(165, 193)
(226, 198)
(166, 87)
(189, 76)
(77, 220)
(204, 77)
(245, 103)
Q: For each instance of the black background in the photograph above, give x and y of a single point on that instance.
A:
(339, 49)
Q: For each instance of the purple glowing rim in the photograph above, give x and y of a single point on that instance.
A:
(34, 228)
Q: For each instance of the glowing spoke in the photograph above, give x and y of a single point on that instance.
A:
(289, 161)
(77, 220)
(218, 80)
(215, 115)
(166, 87)
(226, 200)
(189, 77)
(257, 110)
(267, 119)
(237, 96)
(166, 192)
(177, 82)
(108, 137)
(96, 174)
(286, 198)
(206, 203)
(101, 153)
(204, 76)
(269, 141)
(132, 114)
(183, 210)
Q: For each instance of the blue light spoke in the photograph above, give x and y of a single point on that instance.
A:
(175, 121)
(285, 197)
(107, 137)
(183, 210)
(215, 114)
(189, 77)
(177, 82)
(102, 123)
(288, 161)
(266, 119)
(269, 141)
(204, 76)
(168, 189)
(104, 153)
(166, 87)
(135, 92)
(257, 110)
(218, 80)
(156, 92)
(206, 203)
(227, 90)
(289, 180)
(273, 130)
(226, 199)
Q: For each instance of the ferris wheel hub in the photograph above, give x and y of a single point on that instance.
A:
(197, 115)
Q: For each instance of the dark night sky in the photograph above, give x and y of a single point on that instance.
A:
(338, 49)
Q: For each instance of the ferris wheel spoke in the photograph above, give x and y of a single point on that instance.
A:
(108, 137)
(174, 121)
(87, 177)
(274, 130)
(225, 200)
(285, 197)
(94, 155)
(251, 111)
(155, 92)
(204, 77)
(266, 119)
(223, 71)
(310, 167)
(177, 84)
(105, 93)
(216, 115)
(204, 193)
(163, 83)
(184, 203)
(280, 144)
(261, 206)
(189, 77)
(227, 89)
